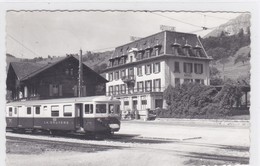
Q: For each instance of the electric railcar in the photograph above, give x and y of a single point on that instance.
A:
(97, 114)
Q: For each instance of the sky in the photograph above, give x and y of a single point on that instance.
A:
(34, 34)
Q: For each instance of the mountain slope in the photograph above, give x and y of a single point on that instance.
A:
(237, 70)
(233, 26)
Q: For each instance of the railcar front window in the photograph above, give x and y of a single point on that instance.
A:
(101, 108)
(111, 109)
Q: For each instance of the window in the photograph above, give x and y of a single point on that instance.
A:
(139, 71)
(10, 111)
(157, 85)
(186, 80)
(45, 108)
(140, 86)
(140, 55)
(117, 89)
(116, 75)
(187, 67)
(157, 67)
(29, 110)
(15, 110)
(147, 53)
(55, 110)
(200, 81)
(131, 71)
(71, 71)
(67, 110)
(110, 90)
(177, 81)
(176, 67)
(148, 85)
(111, 77)
(113, 109)
(88, 108)
(101, 108)
(123, 73)
(126, 103)
(148, 69)
(143, 102)
(156, 51)
(37, 109)
(123, 88)
(198, 68)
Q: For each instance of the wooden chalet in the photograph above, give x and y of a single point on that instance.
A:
(33, 81)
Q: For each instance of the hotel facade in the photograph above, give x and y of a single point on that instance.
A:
(140, 71)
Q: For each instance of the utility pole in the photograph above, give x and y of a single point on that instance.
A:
(80, 74)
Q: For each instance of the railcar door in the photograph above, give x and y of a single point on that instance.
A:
(78, 115)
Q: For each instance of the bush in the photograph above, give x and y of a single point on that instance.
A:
(193, 100)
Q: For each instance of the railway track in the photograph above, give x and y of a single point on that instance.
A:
(81, 144)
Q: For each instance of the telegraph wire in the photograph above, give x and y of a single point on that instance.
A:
(176, 20)
(10, 36)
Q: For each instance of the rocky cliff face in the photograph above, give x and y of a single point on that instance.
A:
(233, 26)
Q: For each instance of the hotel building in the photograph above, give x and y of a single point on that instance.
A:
(140, 71)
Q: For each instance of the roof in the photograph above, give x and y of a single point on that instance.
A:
(26, 70)
(64, 100)
(22, 69)
(160, 39)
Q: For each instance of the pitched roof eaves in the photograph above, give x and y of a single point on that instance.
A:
(43, 69)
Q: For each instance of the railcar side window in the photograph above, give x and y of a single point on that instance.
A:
(67, 110)
(10, 111)
(55, 110)
(88, 108)
(37, 110)
(29, 110)
(45, 108)
(101, 108)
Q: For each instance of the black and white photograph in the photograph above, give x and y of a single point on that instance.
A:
(128, 87)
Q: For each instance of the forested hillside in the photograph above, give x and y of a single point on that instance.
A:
(231, 56)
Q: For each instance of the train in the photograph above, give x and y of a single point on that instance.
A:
(82, 115)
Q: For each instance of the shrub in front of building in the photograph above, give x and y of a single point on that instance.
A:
(193, 100)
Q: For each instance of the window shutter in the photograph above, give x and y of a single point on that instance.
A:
(184, 67)
(50, 90)
(201, 68)
(75, 88)
(84, 90)
(195, 68)
(153, 67)
(191, 67)
(60, 90)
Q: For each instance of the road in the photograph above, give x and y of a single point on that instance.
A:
(137, 143)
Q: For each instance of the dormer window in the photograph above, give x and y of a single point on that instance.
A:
(186, 48)
(176, 47)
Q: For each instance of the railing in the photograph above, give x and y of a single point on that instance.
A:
(136, 91)
(128, 78)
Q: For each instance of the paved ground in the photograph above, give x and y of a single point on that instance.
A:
(142, 143)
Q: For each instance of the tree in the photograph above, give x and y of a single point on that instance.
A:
(168, 94)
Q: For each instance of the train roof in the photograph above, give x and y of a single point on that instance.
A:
(64, 100)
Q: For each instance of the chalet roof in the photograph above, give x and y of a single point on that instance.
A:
(26, 70)
(22, 69)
